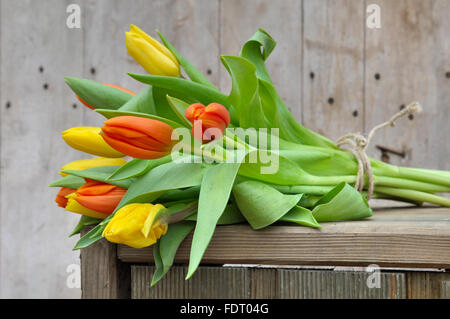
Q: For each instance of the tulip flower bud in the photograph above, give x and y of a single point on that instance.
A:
(214, 116)
(153, 56)
(108, 84)
(95, 198)
(138, 137)
(136, 225)
(61, 198)
(80, 165)
(88, 140)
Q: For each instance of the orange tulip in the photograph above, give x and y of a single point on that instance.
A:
(138, 137)
(99, 197)
(61, 199)
(108, 84)
(214, 115)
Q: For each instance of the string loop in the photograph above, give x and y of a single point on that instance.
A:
(357, 144)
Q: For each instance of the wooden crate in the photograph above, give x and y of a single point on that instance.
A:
(410, 245)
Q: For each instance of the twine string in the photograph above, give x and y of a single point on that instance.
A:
(357, 144)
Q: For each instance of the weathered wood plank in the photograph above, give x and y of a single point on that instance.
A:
(267, 283)
(387, 239)
(432, 285)
(333, 73)
(192, 26)
(282, 20)
(311, 284)
(207, 282)
(103, 275)
(35, 107)
(105, 54)
(410, 54)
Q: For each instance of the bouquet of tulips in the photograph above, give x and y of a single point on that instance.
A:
(202, 158)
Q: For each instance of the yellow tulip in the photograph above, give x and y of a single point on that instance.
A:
(80, 165)
(136, 225)
(153, 56)
(89, 140)
(75, 207)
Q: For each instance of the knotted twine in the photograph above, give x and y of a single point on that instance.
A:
(358, 145)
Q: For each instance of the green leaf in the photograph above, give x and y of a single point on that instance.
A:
(162, 106)
(158, 274)
(114, 113)
(137, 167)
(196, 91)
(98, 95)
(153, 184)
(257, 49)
(193, 73)
(167, 247)
(93, 236)
(244, 97)
(214, 194)
(84, 221)
(179, 108)
(186, 206)
(101, 174)
(342, 203)
(301, 216)
(68, 181)
(287, 172)
(290, 129)
(180, 194)
(261, 204)
(231, 215)
(142, 102)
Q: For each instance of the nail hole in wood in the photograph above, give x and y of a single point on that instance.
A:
(411, 116)
(8, 104)
(74, 105)
(311, 75)
(447, 75)
(385, 157)
(41, 69)
(93, 70)
(355, 113)
(330, 100)
(209, 71)
(45, 86)
(402, 107)
(377, 76)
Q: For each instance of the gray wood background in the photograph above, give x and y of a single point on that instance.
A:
(325, 54)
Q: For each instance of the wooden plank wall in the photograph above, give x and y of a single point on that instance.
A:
(324, 67)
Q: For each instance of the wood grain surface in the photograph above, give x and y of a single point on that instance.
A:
(408, 237)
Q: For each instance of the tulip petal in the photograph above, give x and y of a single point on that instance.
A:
(88, 140)
(75, 207)
(134, 138)
(155, 129)
(61, 199)
(133, 151)
(158, 45)
(83, 164)
(218, 110)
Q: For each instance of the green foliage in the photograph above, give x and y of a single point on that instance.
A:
(68, 181)
(84, 221)
(214, 194)
(114, 113)
(136, 167)
(342, 203)
(98, 95)
(193, 73)
(143, 102)
(101, 174)
(261, 204)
